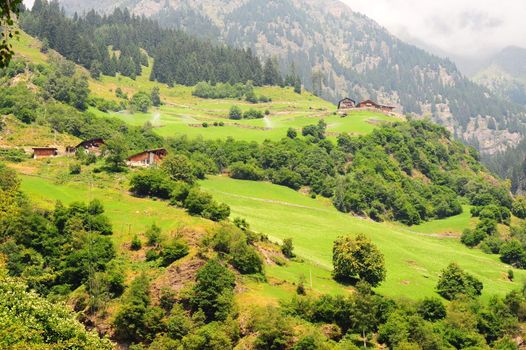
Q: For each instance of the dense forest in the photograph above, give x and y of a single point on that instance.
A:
(177, 57)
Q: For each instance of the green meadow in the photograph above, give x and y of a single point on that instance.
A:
(414, 256)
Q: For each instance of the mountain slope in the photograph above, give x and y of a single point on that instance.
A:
(505, 75)
(338, 52)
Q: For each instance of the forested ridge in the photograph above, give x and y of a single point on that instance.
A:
(177, 57)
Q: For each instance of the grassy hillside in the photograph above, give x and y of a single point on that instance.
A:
(414, 257)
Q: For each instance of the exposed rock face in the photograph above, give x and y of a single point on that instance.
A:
(339, 52)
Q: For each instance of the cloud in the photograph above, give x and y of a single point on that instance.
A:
(458, 27)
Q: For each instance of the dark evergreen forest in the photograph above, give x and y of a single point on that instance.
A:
(121, 43)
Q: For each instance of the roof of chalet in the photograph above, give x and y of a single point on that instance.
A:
(149, 151)
(44, 148)
(90, 140)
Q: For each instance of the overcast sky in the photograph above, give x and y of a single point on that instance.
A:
(459, 27)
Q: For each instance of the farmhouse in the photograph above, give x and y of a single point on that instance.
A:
(346, 103)
(373, 105)
(90, 146)
(44, 152)
(147, 158)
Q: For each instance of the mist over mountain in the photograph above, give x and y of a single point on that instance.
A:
(338, 52)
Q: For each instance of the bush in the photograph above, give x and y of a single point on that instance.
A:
(75, 169)
(140, 102)
(213, 291)
(152, 182)
(15, 155)
(235, 113)
(519, 207)
(292, 133)
(287, 248)
(431, 309)
(513, 253)
(245, 259)
(454, 282)
(152, 255)
(136, 243)
(242, 171)
(356, 259)
(472, 238)
(153, 235)
(179, 168)
(173, 252)
(253, 114)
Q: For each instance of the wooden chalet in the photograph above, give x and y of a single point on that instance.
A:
(346, 103)
(147, 158)
(44, 152)
(373, 105)
(90, 146)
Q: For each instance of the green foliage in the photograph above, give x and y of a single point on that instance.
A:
(242, 171)
(519, 207)
(155, 96)
(202, 203)
(287, 248)
(431, 309)
(317, 132)
(136, 243)
(513, 253)
(213, 291)
(358, 259)
(292, 133)
(116, 153)
(75, 168)
(153, 235)
(179, 168)
(173, 252)
(15, 155)
(454, 282)
(57, 251)
(40, 324)
(235, 113)
(233, 242)
(152, 182)
(140, 102)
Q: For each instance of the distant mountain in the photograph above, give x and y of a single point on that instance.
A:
(339, 52)
(505, 75)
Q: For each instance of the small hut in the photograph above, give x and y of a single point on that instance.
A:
(147, 158)
(44, 152)
(90, 146)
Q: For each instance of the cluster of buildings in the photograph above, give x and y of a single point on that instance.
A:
(350, 104)
(145, 158)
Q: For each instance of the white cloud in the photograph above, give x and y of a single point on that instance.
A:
(459, 27)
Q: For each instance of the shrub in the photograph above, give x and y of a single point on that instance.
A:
(173, 252)
(74, 169)
(178, 324)
(519, 207)
(213, 291)
(287, 248)
(136, 243)
(253, 114)
(153, 235)
(454, 282)
(140, 102)
(179, 168)
(357, 259)
(513, 253)
(431, 309)
(292, 133)
(245, 259)
(472, 238)
(242, 171)
(205, 125)
(152, 255)
(235, 113)
(152, 182)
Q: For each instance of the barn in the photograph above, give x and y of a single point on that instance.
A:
(373, 105)
(147, 158)
(90, 146)
(346, 103)
(44, 152)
